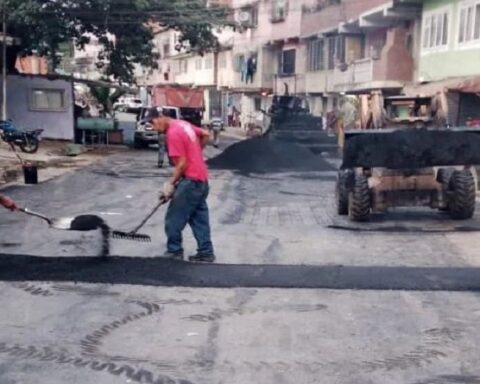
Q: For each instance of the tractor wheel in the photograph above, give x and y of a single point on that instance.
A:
(443, 177)
(344, 182)
(359, 200)
(463, 192)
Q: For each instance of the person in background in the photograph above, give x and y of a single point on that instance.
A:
(188, 187)
(230, 112)
(8, 203)
(161, 150)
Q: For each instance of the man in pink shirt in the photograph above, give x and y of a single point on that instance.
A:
(187, 188)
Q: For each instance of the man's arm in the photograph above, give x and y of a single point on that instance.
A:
(8, 203)
(180, 165)
(203, 136)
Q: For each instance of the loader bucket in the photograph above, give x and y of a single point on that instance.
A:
(411, 148)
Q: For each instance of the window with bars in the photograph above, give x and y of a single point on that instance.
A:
(469, 23)
(287, 62)
(316, 55)
(436, 27)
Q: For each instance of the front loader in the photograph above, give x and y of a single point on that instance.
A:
(405, 167)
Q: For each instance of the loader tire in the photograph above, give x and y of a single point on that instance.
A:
(443, 177)
(344, 184)
(359, 200)
(463, 192)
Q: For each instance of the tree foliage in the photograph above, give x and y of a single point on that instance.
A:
(43, 25)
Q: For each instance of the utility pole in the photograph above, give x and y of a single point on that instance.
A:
(4, 62)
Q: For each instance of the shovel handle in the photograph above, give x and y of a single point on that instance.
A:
(35, 214)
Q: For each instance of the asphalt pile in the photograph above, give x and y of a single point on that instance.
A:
(412, 148)
(91, 222)
(265, 155)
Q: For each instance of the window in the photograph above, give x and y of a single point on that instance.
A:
(469, 23)
(208, 62)
(316, 55)
(331, 52)
(279, 10)
(47, 99)
(183, 66)
(198, 64)
(287, 62)
(435, 29)
(257, 101)
(239, 63)
(166, 48)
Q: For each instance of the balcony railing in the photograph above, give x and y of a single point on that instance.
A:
(359, 72)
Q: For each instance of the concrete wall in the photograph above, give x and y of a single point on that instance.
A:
(396, 62)
(56, 124)
(226, 74)
(200, 77)
(453, 61)
(329, 17)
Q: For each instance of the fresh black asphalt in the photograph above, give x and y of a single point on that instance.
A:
(164, 272)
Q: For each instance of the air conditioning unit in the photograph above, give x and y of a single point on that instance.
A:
(244, 18)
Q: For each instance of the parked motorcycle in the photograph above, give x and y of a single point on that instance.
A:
(27, 141)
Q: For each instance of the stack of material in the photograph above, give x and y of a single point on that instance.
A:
(264, 155)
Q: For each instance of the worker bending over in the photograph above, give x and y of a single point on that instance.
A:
(187, 188)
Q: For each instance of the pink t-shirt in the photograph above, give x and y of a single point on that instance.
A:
(183, 140)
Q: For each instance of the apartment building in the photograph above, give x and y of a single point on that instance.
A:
(450, 56)
(267, 55)
(360, 47)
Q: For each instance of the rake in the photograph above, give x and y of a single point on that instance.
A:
(133, 235)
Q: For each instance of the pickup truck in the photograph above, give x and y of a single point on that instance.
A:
(144, 133)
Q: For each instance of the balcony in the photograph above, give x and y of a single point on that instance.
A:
(355, 75)
(319, 82)
(295, 83)
(261, 81)
(390, 68)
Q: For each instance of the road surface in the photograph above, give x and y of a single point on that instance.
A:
(71, 317)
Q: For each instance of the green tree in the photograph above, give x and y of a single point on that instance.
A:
(106, 97)
(43, 25)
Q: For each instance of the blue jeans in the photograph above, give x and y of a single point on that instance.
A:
(189, 206)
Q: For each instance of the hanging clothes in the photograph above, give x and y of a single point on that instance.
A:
(251, 68)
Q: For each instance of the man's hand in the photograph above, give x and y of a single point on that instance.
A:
(167, 191)
(8, 203)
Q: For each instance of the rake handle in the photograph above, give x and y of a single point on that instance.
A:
(144, 221)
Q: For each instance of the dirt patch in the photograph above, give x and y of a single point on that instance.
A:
(265, 155)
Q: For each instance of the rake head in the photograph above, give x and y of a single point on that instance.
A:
(130, 236)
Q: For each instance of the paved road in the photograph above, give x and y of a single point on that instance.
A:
(72, 331)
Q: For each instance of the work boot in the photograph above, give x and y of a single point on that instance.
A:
(199, 258)
(173, 256)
